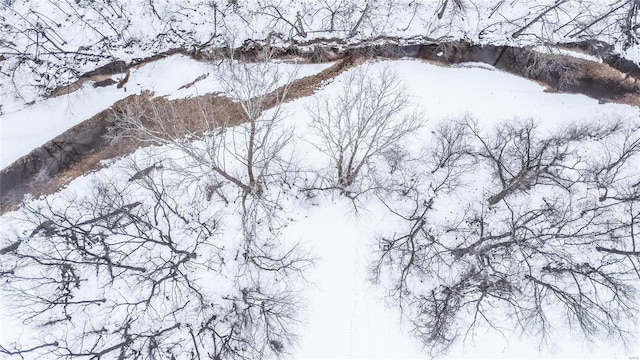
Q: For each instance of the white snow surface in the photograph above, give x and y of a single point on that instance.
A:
(345, 316)
(564, 52)
(348, 318)
(25, 128)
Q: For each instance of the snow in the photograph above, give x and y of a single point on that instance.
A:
(564, 52)
(346, 316)
(27, 128)
(104, 32)
(22, 131)
(633, 54)
(343, 313)
(493, 96)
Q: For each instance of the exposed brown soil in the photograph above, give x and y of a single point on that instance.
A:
(601, 81)
(614, 80)
(104, 147)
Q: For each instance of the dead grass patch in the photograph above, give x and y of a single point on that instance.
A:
(603, 82)
(171, 119)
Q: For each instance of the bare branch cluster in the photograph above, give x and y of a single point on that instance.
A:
(554, 246)
(141, 270)
(367, 119)
(43, 46)
(240, 139)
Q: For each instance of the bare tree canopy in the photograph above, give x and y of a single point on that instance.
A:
(179, 250)
(554, 244)
(179, 258)
(143, 270)
(237, 132)
(369, 117)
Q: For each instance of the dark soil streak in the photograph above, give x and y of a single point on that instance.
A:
(82, 148)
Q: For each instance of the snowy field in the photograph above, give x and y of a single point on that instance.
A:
(335, 308)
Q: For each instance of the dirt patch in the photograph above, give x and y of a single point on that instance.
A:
(160, 118)
(559, 73)
(601, 81)
(107, 71)
(308, 85)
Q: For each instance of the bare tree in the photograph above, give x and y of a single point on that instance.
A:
(458, 5)
(619, 20)
(236, 139)
(367, 118)
(546, 10)
(335, 14)
(521, 159)
(141, 269)
(439, 170)
(447, 159)
(41, 46)
(349, 18)
(240, 140)
(554, 246)
(275, 12)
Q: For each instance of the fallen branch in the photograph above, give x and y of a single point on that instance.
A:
(549, 9)
(618, 252)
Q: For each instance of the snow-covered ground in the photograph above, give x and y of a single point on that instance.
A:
(487, 94)
(344, 314)
(348, 318)
(25, 128)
